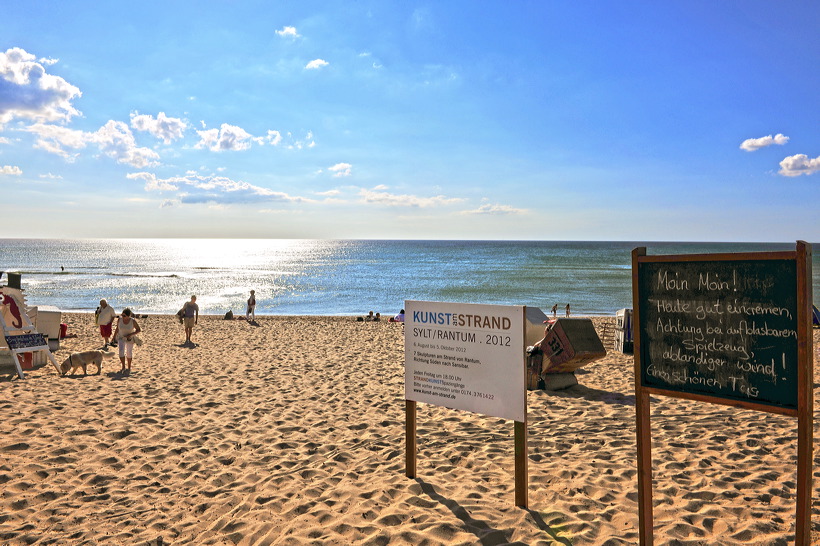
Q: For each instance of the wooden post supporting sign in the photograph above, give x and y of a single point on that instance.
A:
(410, 435)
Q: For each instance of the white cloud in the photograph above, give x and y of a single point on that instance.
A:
(10, 169)
(55, 139)
(228, 137)
(221, 190)
(299, 144)
(27, 91)
(114, 139)
(208, 139)
(288, 32)
(316, 64)
(162, 127)
(341, 169)
(152, 183)
(752, 144)
(393, 200)
(796, 165)
(328, 193)
(274, 138)
(4, 140)
(51, 176)
(488, 208)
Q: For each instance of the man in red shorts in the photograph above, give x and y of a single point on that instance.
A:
(105, 317)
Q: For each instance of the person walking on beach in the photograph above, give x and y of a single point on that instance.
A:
(251, 314)
(190, 318)
(105, 318)
(568, 310)
(127, 329)
(554, 310)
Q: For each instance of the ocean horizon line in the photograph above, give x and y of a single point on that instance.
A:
(413, 239)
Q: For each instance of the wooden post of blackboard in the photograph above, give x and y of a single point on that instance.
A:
(410, 433)
(805, 394)
(643, 424)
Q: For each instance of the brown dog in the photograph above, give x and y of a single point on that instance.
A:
(82, 360)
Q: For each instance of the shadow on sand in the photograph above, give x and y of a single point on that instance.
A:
(486, 535)
(118, 375)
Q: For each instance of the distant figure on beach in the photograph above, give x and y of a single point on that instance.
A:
(105, 316)
(62, 268)
(378, 316)
(190, 317)
(554, 310)
(127, 329)
(370, 317)
(397, 318)
(251, 314)
(567, 309)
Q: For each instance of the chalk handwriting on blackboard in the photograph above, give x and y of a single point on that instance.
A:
(724, 328)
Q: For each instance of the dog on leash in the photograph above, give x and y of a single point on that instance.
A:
(76, 361)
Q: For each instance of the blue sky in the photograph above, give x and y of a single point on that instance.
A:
(637, 121)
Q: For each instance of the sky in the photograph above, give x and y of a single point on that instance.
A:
(447, 119)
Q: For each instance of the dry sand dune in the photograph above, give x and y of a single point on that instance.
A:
(292, 432)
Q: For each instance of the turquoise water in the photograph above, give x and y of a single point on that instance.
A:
(310, 277)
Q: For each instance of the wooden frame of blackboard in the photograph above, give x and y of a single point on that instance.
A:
(805, 383)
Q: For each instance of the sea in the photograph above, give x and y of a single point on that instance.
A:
(335, 277)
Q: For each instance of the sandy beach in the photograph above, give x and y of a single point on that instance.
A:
(292, 432)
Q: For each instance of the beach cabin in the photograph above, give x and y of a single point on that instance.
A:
(623, 331)
(47, 320)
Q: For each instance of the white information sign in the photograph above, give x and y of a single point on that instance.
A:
(466, 356)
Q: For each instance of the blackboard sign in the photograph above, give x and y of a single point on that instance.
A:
(725, 328)
(26, 341)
